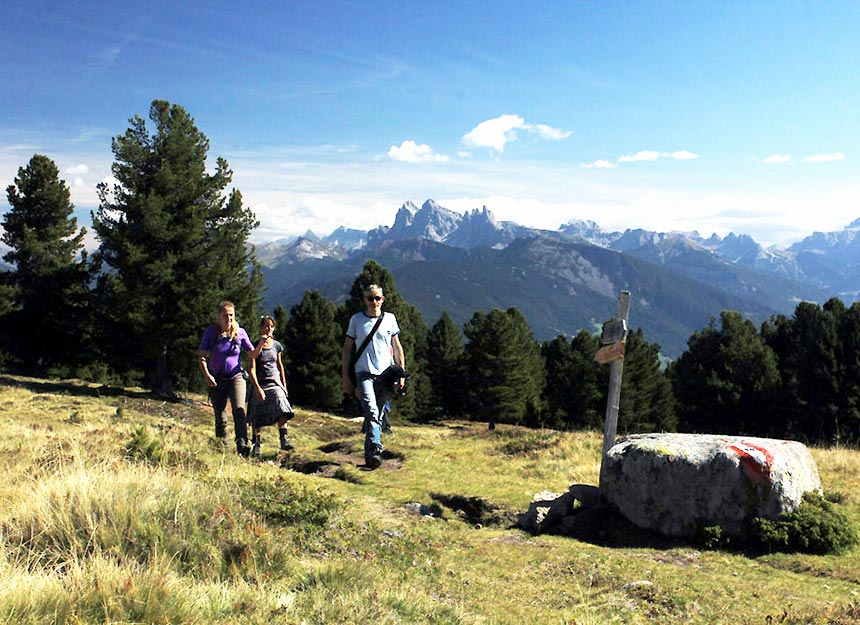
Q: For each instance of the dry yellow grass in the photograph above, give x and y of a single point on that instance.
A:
(105, 521)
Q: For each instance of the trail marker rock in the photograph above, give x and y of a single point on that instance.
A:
(676, 483)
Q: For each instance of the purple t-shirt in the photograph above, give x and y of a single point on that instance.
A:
(224, 362)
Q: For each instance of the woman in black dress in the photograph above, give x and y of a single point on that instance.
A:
(269, 403)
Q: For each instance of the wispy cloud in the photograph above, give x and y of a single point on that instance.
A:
(642, 155)
(825, 158)
(652, 155)
(498, 132)
(776, 158)
(601, 164)
(410, 152)
(108, 55)
(681, 155)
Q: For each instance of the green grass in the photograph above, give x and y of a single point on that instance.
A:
(121, 509)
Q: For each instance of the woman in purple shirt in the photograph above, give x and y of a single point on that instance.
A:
(220, 360)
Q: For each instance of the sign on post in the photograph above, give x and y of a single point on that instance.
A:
(613, 339)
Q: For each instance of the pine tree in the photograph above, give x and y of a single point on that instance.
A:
(818, 361)
(445, 368)
(647, 403)
(172, 245)
(727, 379)
(574, 395)
(504, 367)
(51, 276)
(311, 340)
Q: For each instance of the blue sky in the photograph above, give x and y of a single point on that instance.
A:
(713, 116)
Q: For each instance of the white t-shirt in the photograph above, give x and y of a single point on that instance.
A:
(376, 357)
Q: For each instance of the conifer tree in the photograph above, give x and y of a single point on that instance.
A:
(505, 369)
(445, 368)
(51, 276)
(727, 380)
(818, 361)
(172, 245)
(311, 339)
(647, 403)
(575, 384)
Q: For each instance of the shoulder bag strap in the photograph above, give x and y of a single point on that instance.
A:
(366, 340)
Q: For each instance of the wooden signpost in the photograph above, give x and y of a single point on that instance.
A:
(613, 340)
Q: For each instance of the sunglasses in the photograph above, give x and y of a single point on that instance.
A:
(374, 298)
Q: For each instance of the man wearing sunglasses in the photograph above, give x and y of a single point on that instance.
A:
(381, 351)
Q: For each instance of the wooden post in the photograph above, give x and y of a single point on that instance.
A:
(615, 370)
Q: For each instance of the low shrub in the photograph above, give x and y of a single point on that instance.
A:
(816, 526)
(145, 446)
(285, 501)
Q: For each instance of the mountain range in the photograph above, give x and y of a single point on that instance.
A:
(568, 279)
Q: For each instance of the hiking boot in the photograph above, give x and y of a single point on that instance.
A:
(375, 461)
(256, 451)
(285, 440)
(243, 448)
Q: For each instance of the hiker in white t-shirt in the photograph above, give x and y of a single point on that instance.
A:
(381, 352)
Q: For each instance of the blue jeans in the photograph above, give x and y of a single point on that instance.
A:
(372, 395)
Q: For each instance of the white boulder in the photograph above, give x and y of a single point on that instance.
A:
(677, 483)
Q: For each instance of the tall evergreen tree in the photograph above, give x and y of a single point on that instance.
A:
(413, 334)
(817, 357)
(588, 401)
(445, 368)
(558, 356)
(312, 341)
(173, 246)
(647, 403)
(51, 276)
(575, 384)
(847, 427)
(505, 368)
(727, 379)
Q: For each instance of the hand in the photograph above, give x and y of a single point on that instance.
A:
(400, 384)
(348, 388)
(261, 393)
(210, 381)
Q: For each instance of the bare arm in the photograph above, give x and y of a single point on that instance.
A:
(283, 373)
(253, 371)
(399, 357)
(210, 380)
(345, 358)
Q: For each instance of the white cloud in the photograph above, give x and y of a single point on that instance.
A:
(497, 133)
(825, 158)
(643, 155)
(410, 152)
(107, 56)
(777, 158)
(78, 182)
(601, 164)
(550, 133)
(78, 170)
(681, 155)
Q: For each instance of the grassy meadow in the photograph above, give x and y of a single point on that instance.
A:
(118, 508)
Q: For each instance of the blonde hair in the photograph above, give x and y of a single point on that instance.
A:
(233, 329)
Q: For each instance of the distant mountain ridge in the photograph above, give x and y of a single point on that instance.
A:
(568, 279)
